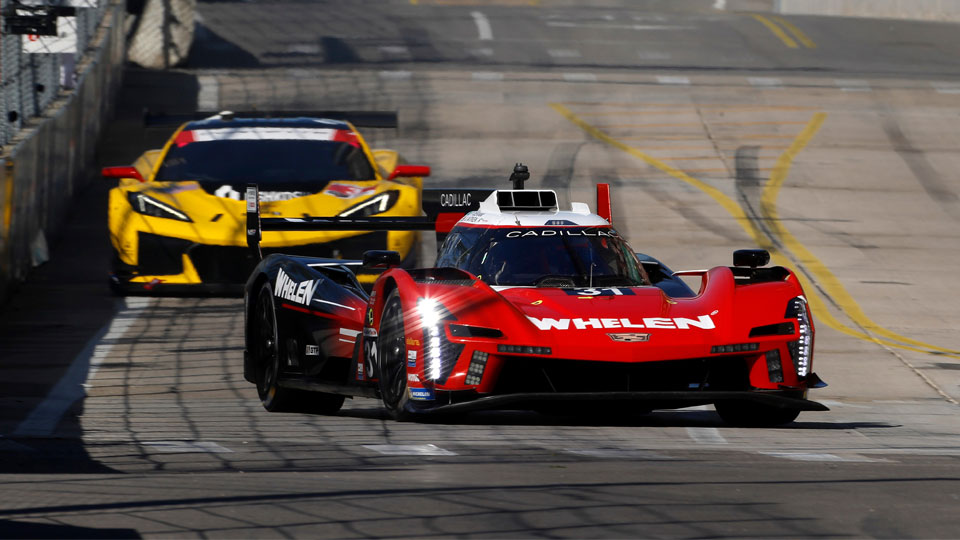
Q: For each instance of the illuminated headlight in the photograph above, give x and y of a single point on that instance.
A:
(377, 204)
(429, 310)
(801, 350)
(149, 206)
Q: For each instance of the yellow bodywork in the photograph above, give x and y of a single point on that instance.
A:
(219, 221)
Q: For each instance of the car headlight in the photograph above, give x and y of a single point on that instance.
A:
(149, 206)
(801, 350)
(377, 204)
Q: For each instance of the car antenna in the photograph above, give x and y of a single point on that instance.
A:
(520, 175)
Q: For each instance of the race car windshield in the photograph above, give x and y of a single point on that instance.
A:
(266, 162)
(543, 257)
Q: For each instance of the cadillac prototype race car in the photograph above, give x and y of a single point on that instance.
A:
(527, 307)
(176, 217)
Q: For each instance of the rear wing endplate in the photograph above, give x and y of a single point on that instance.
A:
(443, 208)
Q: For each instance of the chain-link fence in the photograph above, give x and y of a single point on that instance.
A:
(34, 67)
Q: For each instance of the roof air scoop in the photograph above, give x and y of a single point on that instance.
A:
(543, 200)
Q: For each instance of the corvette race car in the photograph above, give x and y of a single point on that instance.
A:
(527, 307)
(176, 217)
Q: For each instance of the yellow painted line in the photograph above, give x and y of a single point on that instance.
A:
(831, 285)
(692, 109)
(728, 204)
(636, 104)
(724, 170)
(772, 27)
(825, 279)
(797, 33)
(700, 124)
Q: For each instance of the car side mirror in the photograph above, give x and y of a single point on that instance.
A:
(409, 171)
(121, 172)
(380, 258)
(751, 257)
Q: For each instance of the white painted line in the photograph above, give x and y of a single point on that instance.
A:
(615, 453)
(653, 55)
(946, 87)
(564, 24)
(706, 435)
(43, 420)
(394, 50)
(579, 77)
(483, 25)
(673, 79)
(852, 85)
(304, 48)
(816, 456)
(208, 93)
(409, 450)
(765, 82)
(395, 75)
(482, 51)
(564, 53)
(186, 447)
(487, 76)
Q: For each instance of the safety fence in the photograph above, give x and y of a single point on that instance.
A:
(60, 71)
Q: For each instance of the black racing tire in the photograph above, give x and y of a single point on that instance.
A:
(752, 414)
(392, 360)
(267, 348)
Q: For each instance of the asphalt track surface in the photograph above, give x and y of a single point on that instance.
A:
(833, 142)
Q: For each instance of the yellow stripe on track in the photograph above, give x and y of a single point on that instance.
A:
(777, 31)
(825, 280)
(797, 33)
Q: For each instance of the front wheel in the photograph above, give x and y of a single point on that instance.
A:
(392, 362)
(750, 414)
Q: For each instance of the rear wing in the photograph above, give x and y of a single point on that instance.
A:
(364, 119)
(443, 208)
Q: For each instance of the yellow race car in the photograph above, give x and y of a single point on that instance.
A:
(176, 217)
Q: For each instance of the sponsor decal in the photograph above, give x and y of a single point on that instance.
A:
(421, 394)
(630, 337)
(472, 217)
(226, 191)
(369, 315)
(608, 233)
(412, 377)
(348, 191)
(359, 371)
(413, 342)
(250, 133)
(412, 358)
(454, 199)
(536, 303)
(299, 292)
(313, 350)
(370, 356)
(703, 322)
(606, 291)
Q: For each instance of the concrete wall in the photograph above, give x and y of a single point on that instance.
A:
(54, 155)
(929, 10)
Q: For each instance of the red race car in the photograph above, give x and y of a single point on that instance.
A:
(528, 307)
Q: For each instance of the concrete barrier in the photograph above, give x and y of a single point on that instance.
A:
(163, 34)
(929, 10)
(54, 156)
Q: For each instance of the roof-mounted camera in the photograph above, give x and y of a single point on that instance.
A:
(520, 175)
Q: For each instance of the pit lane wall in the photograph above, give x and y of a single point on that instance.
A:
(928, 10)
(53, 155)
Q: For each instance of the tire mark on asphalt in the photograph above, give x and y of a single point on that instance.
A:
(916, 160)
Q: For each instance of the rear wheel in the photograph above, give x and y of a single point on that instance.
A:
(750, 414)
(265, 344)
(392, 361)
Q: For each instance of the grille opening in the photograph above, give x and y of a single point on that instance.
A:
(547, 375)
